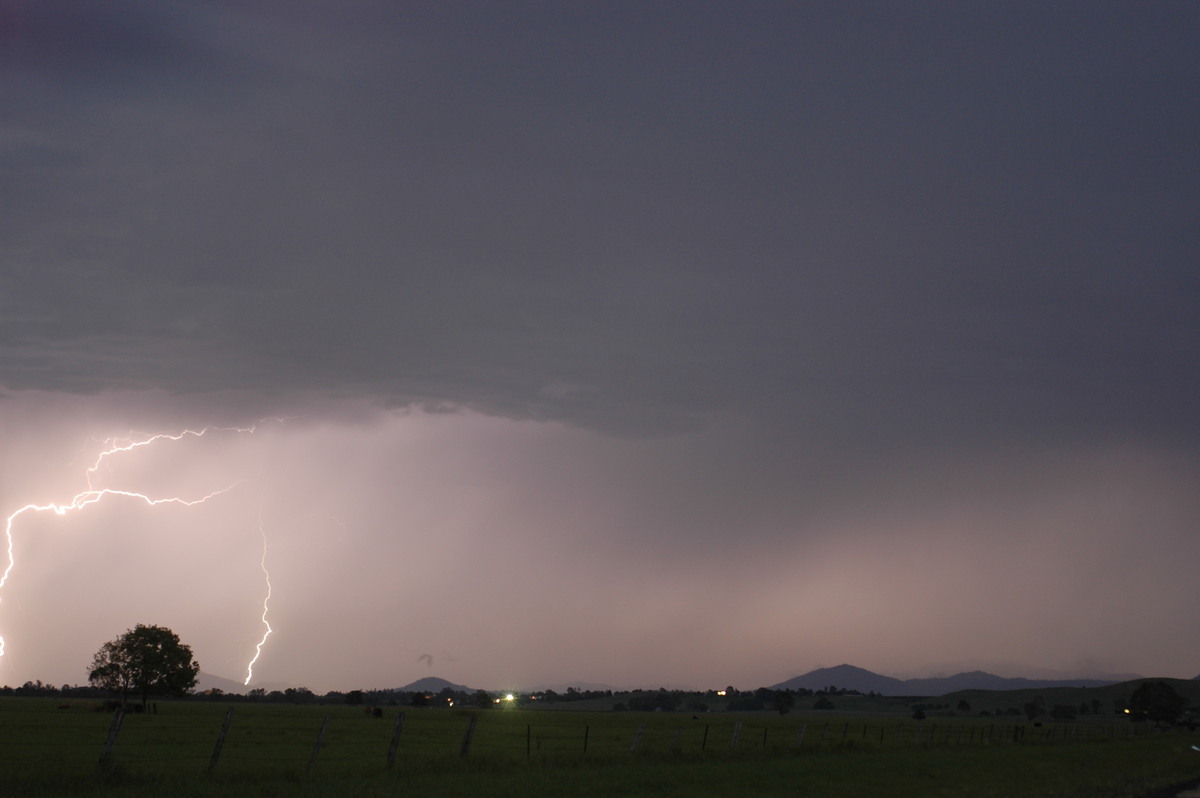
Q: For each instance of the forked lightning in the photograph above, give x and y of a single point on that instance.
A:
(91, 495)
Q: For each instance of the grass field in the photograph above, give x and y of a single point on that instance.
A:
(270, 750)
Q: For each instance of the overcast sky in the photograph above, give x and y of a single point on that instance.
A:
(636, 343)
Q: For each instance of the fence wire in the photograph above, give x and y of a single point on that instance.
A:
(189, 738)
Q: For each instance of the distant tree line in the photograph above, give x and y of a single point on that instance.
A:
(1153, 702)
(42, 690)
(572, 694)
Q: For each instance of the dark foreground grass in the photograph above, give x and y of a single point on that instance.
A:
(269, 751)
(1100, 770)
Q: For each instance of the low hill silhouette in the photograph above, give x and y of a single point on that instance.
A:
(208, 681)
(433, 684)
(849, 677)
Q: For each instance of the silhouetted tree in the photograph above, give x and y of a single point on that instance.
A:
(146, 660)
(1156, 701)
(783, 701)
(649, 701)
(746, 702)
(299, 695)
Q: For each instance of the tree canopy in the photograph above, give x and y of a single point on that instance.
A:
(1156, 701)
(145, 661)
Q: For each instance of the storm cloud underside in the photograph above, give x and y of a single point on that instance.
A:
(616, 343)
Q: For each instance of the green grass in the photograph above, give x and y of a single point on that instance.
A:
(49, 751)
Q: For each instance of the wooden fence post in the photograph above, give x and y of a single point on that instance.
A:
(114, 728)
(704, 739)
(395, 740)
(586, 729)
(216, 754)
(800, 739)
(466, 743)
(737, 732)
(312, 760)
(637, 737)
(321, 739)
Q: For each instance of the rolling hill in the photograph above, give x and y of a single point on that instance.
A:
(850, 677)
(433, 684)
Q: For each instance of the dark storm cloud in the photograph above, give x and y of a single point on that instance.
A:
(891, 305)
(896, 221)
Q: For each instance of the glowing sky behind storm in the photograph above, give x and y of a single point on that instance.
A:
(613, 343)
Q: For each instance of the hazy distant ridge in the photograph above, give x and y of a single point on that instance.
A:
(853, 678)
(846, 677)
(433, 684)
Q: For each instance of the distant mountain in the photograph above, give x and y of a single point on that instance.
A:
(206, 681)
(979, 680)
(846, 676)
(432, 684)
(850, 677)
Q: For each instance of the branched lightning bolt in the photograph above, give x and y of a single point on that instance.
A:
(92, 495)
(265, 604)
(80, 501)
(129, 444)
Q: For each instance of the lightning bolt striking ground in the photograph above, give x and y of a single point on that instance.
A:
(266, 602)
(91, 495)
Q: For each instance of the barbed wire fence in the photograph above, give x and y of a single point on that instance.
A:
(305, 742)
